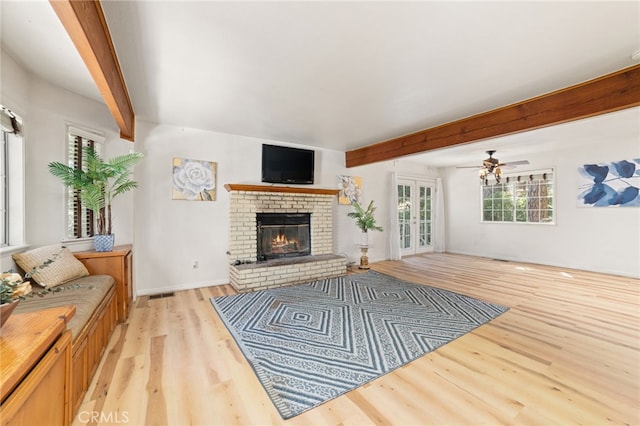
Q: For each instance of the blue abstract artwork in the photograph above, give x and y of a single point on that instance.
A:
(615, 184)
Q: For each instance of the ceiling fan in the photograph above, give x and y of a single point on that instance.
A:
(493, 166)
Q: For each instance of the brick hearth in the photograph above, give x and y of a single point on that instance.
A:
(246, 201)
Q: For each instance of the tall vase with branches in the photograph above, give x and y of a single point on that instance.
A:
(100, 182)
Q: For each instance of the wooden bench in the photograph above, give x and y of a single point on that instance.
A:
(100, 301)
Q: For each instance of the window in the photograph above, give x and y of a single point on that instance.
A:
(4, 191)
(80, 220)
(521, 199)
(11, 179)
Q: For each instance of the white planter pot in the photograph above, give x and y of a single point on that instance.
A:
(364, 239)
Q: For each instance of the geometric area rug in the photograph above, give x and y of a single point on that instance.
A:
(312, 342)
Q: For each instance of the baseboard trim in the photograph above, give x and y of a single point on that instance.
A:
(547, 263)
(180, 287)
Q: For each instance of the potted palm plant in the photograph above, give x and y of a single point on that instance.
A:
(365, 220)
(100, 182)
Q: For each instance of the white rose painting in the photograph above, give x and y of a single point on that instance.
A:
(194, 180)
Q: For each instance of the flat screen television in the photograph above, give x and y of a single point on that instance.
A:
(282, 164)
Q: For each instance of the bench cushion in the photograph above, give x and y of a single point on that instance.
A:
(86, 293)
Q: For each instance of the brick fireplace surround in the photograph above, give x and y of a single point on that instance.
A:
(246, 201)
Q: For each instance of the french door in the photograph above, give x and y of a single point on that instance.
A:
(415, 216)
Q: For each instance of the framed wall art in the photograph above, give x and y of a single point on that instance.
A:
(350, 189)
(615, 184)
(194, 180)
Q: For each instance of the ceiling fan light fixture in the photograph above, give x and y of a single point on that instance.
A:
(493, 166)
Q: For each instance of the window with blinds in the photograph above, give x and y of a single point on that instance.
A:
(526, 198)
(80, 220)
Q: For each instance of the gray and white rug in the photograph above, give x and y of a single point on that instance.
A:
(312, 342)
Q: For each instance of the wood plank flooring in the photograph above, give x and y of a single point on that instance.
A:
(567, 352)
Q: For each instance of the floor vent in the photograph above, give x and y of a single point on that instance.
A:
(161, 295)
(500, 260)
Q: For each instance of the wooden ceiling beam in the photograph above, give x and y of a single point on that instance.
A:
(87, 27)
(612, 92)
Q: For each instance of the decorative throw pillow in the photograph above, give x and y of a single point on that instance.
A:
(65, 267)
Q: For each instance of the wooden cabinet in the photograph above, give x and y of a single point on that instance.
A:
(89, 347)
(118, 264)
(35, 358)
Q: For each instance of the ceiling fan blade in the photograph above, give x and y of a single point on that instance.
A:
(515, 163)
(487, 164)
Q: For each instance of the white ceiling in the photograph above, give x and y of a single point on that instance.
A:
(339, 75)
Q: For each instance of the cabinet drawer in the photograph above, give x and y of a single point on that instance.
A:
(43, 396)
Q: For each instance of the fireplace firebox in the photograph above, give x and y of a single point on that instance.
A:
(283, 235)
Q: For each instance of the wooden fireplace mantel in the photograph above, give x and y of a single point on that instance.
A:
(289, 189)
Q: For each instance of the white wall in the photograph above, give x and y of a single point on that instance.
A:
(594, 239)
(171, 234)
(46, 110)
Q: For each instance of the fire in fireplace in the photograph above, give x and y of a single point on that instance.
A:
(283, 235)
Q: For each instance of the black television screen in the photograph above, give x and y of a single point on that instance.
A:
(281, 164)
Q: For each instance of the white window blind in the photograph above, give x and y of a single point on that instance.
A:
(80, 220)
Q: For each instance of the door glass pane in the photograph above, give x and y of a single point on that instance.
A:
(424, 238)
(404, 216)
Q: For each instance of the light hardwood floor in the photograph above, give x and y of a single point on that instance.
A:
(567, 352)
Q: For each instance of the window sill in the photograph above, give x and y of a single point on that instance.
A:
(78, 244)
(77, 241)
(518, 223)
(7, 250)
(73, 245)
